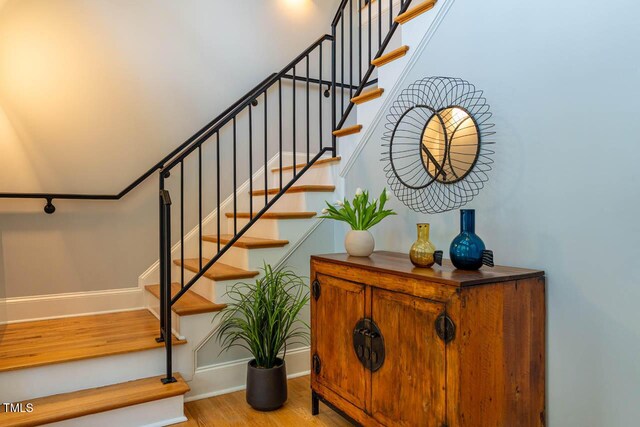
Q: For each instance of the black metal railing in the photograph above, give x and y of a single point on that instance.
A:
(299, 71)
(356, 48)
(290, 114)
(290, 121)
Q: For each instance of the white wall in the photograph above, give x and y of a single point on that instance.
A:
(562, 81)
(93, 94)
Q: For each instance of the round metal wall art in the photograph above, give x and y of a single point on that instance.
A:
(436, 151)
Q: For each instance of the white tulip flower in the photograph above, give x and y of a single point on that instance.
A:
(358, 191)
(325, 211)
(339, 203)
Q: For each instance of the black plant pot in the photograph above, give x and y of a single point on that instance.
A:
(266, 388)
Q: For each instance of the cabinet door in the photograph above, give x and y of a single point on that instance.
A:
(409, 388)
(339, 307)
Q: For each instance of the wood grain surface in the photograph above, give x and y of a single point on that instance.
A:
(232, 410)
(77, 404)
(400, 265)
(29, 344)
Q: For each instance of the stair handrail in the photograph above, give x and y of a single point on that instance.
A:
(49, 197)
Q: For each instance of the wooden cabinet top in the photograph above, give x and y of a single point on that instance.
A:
(399, 264)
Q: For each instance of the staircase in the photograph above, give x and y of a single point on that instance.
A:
(255, 177)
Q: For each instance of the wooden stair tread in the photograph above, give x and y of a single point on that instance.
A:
(347, 131)
(81, 403)
(276, 215)
(317, 163)
(415, 11)
(368, 96)
(298, 189)
(218, 271)
(247, 242)
(45, 342)
(190, 303)
(391, 56)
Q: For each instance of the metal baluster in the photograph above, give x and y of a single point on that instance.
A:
(350, 49)
(333, 89)
(360, 41)
(218, 213)
(280, 133)
(251, 162)
(320, 97)
(162, 253)
(379, 23)
(390, 14)
(200, 204)
(308, 127)
(166, 205)
(266, 139)
(294, 120)
(235, 191)
(182, 223)
(370, 30)
(342, 62)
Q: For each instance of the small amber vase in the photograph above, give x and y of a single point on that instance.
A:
(422, 251)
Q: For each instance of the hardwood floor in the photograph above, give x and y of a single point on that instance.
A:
(232, 410)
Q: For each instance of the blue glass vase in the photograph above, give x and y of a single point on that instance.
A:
(467, 250)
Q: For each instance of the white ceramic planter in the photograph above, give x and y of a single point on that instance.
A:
(359, 243)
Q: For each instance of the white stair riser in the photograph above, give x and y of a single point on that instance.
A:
(153, 305)
(195, 326)
(289, 202)
(30, 383)
(201, 289)
(285, 229)
(251, 259)
(367, 111)
(158, 413)
(396, 40)
(310, 201)
(204, 287)
(323, 174)
(389, 73)
(412, 31)
(211, 290)
(348, 144)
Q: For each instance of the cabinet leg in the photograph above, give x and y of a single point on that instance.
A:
(315, 403)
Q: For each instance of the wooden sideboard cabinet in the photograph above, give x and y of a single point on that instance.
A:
(395, 345)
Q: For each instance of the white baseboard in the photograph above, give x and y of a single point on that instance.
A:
(228, 377)
(23, 309)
